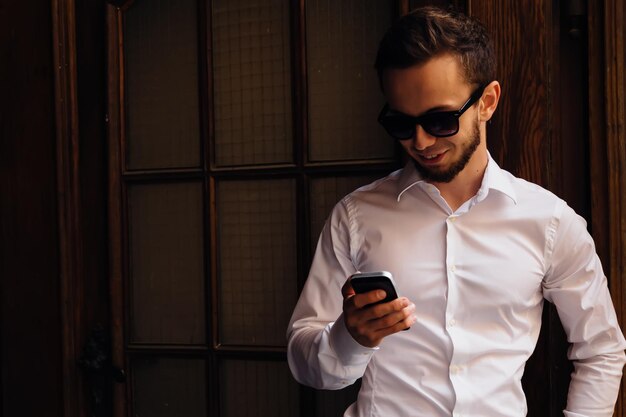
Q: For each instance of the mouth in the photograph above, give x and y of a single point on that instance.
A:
(431, 158)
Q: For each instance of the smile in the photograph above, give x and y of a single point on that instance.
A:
(435, 157)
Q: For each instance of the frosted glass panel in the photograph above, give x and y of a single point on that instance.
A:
(344, 97)
(252, 82)
(167, 264)
(165, 387)
(257, 260)
(162, 93)
(257, 389)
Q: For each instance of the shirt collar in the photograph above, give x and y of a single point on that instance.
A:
(495, 178)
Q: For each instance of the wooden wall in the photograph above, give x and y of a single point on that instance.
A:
(564, 96)
(30, 322)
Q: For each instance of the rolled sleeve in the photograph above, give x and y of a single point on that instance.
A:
(320, 351)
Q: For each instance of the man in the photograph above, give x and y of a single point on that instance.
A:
(474, 251)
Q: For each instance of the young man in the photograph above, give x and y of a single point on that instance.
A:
(473, 249)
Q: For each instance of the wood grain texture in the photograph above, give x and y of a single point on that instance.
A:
(30, 323)
(69, 202)
(615, 87)
(599, 224)
(607, 158)
(114, 189)
(520, 133)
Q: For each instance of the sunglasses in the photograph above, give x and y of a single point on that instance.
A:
(440, 124)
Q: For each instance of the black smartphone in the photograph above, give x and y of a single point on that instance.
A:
(379, 280)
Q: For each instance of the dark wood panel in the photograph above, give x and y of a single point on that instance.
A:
(91, 112)
(519, 136)
(114, 198)
(68, 200)
(90, 85)
(30, 325)
(607, 86)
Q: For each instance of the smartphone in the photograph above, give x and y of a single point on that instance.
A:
(369, 281)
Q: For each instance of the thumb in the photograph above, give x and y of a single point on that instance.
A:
(347, 290)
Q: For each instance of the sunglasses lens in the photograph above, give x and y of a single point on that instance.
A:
(399, 127)
(440, 124)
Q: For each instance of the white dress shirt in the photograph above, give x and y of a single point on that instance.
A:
(478, 277)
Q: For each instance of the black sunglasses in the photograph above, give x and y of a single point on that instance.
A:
(440, 124)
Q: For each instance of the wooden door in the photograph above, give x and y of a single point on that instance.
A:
(234, 126)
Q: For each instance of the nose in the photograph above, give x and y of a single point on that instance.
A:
(422, 139)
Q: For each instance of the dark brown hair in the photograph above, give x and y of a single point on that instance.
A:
(430, 31)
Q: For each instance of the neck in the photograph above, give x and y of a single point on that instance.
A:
(467, 183)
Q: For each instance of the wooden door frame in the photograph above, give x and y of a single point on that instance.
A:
(607, 158)
(82, 305)
(114, 133)
(70, 243)
(607, 148)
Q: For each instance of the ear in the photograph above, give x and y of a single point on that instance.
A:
(489, 101)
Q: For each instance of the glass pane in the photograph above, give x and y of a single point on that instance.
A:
(162, 101)
(165, 387)
(257, 260)
(344, 97)
(252, 82)
(167, 265)
(325, 193)
(257, 389)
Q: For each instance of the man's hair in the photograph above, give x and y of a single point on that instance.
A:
(429, 31)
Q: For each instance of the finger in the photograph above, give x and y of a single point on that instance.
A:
(347, 290)
(371, 332)
(384, 309)
(388, 320)
(396, 328)
(393, 318)
(370, 297)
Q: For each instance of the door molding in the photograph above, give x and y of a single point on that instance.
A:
(607, 150)
(114, 129)
(71, 271)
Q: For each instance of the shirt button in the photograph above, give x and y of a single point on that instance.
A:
(452, 219)
(452, 323)
(453, 268)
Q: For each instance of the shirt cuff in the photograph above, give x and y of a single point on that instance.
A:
(349, 351)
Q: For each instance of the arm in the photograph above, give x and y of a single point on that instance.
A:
(320, 350)
(576, 284)
(334, 332)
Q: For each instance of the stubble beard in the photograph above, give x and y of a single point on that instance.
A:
(458, 166)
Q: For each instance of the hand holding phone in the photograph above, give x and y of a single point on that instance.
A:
(369, 323)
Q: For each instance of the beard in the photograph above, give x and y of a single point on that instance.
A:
(446, 176)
